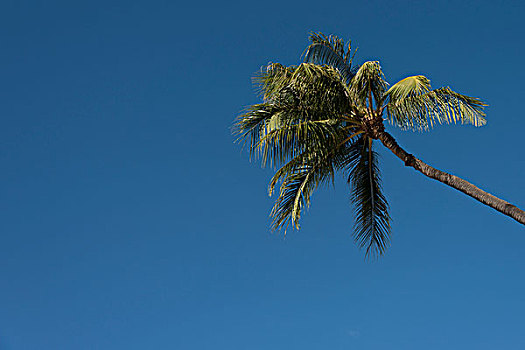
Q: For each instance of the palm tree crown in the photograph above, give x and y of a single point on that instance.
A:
(322, 116)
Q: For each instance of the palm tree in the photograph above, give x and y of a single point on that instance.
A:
(323, 116)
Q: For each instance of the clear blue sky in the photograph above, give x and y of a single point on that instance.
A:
(130, 220)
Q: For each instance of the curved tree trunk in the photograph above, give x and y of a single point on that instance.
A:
(452, 180)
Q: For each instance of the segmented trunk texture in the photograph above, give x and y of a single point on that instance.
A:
(452, 180)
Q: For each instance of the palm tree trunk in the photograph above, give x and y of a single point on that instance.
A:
(451, 180)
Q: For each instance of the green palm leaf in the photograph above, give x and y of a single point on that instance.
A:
(306, 107)
(332, 51)
(294, 195)
(369, 80)
(301, 176)
(409, 87)
(287, 140)
(372, 221)
(412, 105)
(251, 125)
(320, 84)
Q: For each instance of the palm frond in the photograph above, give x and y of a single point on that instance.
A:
(369, 80)
(335, 154)
(279, 83)
(332, 51)
(410, 104)
(459, 108)
(272, 78)
(372, 221)
(300, 177)
(409, 87)
(287, 140)
(305, 107)
(250, 125)
(295, 193)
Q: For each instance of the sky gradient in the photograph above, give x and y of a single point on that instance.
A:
(130, 219)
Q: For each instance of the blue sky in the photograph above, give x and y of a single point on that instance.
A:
(130, 220)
